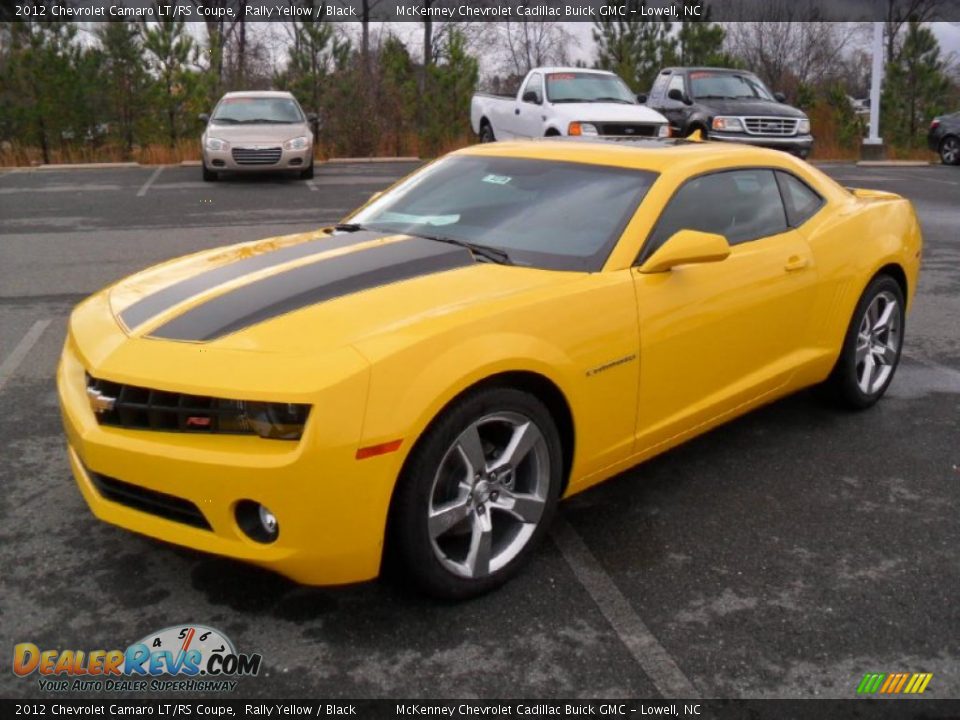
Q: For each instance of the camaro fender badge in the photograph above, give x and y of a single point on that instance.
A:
(99, 402)
(612, 364)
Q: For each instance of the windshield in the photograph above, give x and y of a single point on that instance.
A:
(728, 86)
(587, 87)
(250, 110)
(553, 215)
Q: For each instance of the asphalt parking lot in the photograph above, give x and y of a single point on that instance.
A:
(783, 555)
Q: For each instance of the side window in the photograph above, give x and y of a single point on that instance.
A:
(676, 82)
(741, 205)
(659, 89)
(801, 202)
(535, 85)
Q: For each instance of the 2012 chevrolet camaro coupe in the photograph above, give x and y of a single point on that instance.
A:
(507, 326)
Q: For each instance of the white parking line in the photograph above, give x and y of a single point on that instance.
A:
(9, 366)
(312, 185)
(655, 661)
(146, 186)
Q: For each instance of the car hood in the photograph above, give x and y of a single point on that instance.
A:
(274, 133)
(313, 292)
(609, 112)
(759, 108)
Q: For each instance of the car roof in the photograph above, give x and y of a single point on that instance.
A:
(570, 69)
(259, 93)
(706, 68)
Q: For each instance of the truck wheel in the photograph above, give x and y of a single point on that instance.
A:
(486, 133)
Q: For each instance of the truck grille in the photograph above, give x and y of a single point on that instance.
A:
(156, 503)
(776, 126)
(256, 156)
(627, 129)
(132, 407)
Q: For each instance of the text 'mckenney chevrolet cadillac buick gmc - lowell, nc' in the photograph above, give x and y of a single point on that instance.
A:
(508, 326)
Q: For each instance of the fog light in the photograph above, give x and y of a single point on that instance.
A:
(257, 522)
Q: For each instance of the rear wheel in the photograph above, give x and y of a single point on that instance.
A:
(871, 348)
(210, 175)
(478, 493)
(486, 133)
(950, 150)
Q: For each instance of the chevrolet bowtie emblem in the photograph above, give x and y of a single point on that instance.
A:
(99, 402)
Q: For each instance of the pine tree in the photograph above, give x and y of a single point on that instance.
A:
(700, 42)
(633, 49)
(170, 50)
(123, 78)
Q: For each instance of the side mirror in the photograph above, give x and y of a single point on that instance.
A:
(779, 97)
(203, 117)
(687, 247)
(642, 98)
(530, 97)
(677, 94)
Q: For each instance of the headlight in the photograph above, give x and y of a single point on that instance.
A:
(297, 143)
(217, 145)
(803, 127)
(727, 124)
(582, 128)
(278, 421)
(664, 131)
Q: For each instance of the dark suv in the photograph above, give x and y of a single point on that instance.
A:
(944, 138)
(730, 105)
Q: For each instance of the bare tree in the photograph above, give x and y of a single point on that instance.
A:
(526, 45)
(901, 12)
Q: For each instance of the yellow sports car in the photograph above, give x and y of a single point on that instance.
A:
(507, 326)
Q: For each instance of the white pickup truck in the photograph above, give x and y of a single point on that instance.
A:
(565, 101)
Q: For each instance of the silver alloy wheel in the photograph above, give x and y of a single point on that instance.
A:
(950, 151)
(878, 343)
(489, 494)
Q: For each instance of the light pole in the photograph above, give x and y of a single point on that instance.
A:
(872, 148)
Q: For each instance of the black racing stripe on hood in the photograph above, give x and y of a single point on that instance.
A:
(310, 284)
(162, 300)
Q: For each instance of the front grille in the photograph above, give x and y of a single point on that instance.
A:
(777, 126)
(156, 503)
(628, 129)
(256, 156)
(129, 406)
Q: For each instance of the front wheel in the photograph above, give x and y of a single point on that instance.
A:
(871, 348)
(210, 175)
(950, 150)
(478, 493)
(486, 134)
(307, 173)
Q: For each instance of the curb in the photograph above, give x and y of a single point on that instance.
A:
(189, 163)
(371, 160)
(893, 163)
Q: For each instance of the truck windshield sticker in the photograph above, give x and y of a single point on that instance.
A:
(497, 179)
(561, 76)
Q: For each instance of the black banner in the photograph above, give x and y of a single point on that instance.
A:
(469, 10)
(868, 709)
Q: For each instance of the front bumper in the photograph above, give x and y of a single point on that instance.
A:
(330, 506)
(287, 160)
(797, 144)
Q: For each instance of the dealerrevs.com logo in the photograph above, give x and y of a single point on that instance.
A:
(188, 658)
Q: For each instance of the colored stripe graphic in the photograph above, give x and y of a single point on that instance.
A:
(310, 284)
(162, 300)
(894, 683)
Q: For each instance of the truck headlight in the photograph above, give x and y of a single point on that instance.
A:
(664, 131)
(217, 145)
(297, 143)
(727, 124)
(277, 421)
(582, 128)
(803, 127)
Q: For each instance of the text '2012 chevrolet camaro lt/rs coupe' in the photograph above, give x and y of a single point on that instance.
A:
(507, 326)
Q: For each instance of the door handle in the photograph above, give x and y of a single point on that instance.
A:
(517, 111)
(795, 262)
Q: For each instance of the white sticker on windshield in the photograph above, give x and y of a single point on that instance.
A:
(497, 179)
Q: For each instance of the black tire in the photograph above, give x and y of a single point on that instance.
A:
(486, 133)
(418, 554)
(210, 175)
(950, 150)
(307, 173)
(843, 387)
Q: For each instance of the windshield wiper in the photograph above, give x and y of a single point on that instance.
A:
(487, 253)
(715, 97)
(570, 100)
(264, 121)
(612, 99)
(349, 227)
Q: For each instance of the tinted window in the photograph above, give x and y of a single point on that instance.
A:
(705, 84)
(254, 110)
(556, 215)
(588, 87)
(801, 202)
(659, 88)
(741, 205)
(534, 85)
